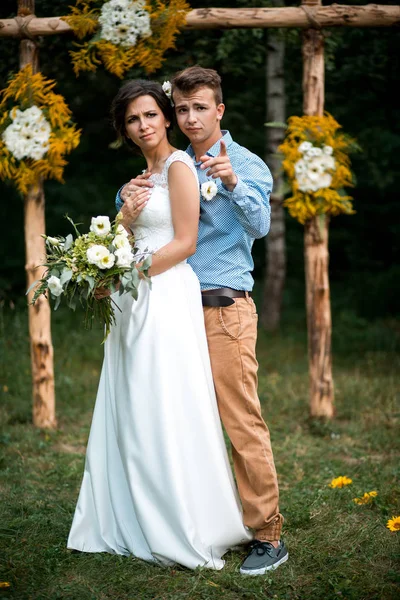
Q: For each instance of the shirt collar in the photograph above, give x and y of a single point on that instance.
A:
(215, 149)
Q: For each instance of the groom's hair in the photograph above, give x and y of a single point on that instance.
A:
(192, 78)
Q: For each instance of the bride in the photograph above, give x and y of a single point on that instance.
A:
(157, 483)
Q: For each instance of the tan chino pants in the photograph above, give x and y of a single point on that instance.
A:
(232, 335)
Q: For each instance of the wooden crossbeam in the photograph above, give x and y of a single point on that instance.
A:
(335, 15)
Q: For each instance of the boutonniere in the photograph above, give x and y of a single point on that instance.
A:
(208, 190)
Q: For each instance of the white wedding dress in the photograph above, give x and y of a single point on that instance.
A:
(157, 482)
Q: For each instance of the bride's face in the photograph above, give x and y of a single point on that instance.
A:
(145, 123)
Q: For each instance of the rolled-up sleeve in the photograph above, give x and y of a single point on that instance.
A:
(251, 196)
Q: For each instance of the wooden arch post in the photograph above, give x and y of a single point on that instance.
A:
(34, 223)
(316, 254)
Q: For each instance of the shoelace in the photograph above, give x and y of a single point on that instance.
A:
(261, 548)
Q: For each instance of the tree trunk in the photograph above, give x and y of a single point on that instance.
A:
(39, 314)
(335, 15)
(275, 241)
(316, 252)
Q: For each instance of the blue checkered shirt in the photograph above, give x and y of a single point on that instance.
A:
(231, 221)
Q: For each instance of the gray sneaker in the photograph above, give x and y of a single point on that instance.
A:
(263, 557)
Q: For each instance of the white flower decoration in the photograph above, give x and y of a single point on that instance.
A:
(28, 135)
(122, 231)
(100, 225)
(123, 22)
(312, 170)
(124, 257)
(208, 190)
(96, 253)
(121, 241)
(305, 147)
(167, 87)
(54, 285)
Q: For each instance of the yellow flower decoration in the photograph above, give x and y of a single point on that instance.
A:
(367, 498)
(317, 165)
(135, 42)
(393, 524)
(31, 112)
(340, 482)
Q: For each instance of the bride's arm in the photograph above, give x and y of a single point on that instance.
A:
(185, 207)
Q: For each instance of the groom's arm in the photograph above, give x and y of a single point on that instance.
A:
(248, 184)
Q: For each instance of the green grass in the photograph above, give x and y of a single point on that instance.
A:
(337, 549)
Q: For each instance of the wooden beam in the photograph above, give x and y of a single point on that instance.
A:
(336, 15)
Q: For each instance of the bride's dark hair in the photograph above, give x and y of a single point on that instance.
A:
(130, 91)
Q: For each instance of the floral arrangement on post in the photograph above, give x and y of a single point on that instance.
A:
(36, 131)
(102, 258)
(316, 162)
(125, 33)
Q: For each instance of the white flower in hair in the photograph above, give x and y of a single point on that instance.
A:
(167, 87)
(208, 190)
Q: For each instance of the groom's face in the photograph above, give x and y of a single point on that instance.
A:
(199, 116)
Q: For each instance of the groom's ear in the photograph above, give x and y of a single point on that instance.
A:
(220, 111)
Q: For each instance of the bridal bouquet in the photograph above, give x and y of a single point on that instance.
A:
(102, 259)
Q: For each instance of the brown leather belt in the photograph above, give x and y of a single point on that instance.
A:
(222, 296)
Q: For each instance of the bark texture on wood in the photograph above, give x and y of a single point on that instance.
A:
(319, 317)
(313, 72)
(316, 253)
(39, 314)
(43, 410)
(275, 240)
(335, 15)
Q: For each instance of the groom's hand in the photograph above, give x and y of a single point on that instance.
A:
(221, 167)
(134, 185)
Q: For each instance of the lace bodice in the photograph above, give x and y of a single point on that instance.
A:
(153, 228)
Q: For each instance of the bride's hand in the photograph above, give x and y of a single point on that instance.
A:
(134, 204)
(140, 182)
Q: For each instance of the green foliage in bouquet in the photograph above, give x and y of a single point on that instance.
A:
(82, 269)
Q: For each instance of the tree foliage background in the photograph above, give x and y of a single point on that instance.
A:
(362, 66)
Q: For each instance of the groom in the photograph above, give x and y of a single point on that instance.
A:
(237, 214)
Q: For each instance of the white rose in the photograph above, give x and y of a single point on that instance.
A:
(107, 261)
(100, 225)
(96, 253)
(121, 241)
(124, 257)
(208, 190)
(122, 231)
(327, 150)
(167, 87)
(54, 286)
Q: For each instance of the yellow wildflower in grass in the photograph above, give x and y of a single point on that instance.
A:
(340, 482)
(167, 17)
(321, 135)
(4, 584)
(25, 90)
(393, 524)
(366, 499)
